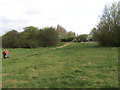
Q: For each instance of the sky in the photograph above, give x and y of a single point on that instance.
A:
(79, 16)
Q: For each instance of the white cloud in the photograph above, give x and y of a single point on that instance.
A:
(79, 16)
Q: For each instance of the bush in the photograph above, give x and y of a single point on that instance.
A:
(9, 39)
(48, 37)
(70, 39)
(31, 37)
(82, 38)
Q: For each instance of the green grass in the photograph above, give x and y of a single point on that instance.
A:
(78, 65)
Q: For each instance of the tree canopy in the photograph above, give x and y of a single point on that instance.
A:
(31, 37)
(107, 31)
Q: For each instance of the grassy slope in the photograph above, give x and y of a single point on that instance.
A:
(77, 65)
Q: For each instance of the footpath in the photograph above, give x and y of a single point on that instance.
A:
(62, 46)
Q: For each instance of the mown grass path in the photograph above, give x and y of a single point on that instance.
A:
(77, 65)
(62, 46)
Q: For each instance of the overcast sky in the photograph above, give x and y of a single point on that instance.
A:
(79, 16)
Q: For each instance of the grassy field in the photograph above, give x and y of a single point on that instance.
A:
(78, 65)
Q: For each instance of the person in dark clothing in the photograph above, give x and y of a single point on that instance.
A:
(4, 54)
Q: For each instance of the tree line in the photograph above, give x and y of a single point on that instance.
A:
(33, 37)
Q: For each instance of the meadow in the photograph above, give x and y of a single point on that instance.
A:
(77, 65)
